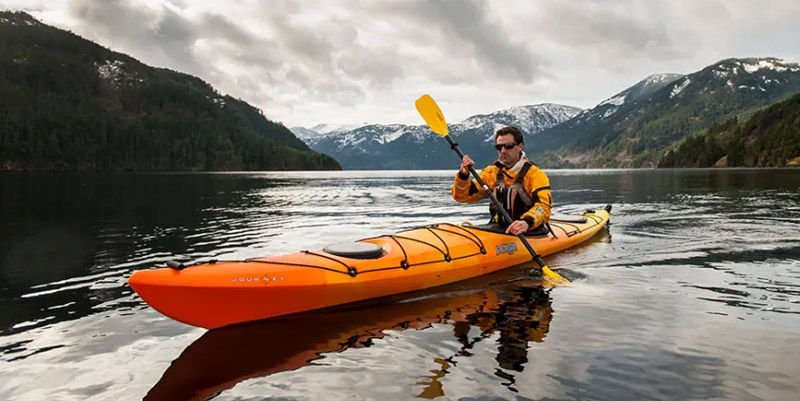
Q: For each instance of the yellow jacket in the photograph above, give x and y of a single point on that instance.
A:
(536, 184)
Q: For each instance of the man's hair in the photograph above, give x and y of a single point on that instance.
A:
(510, 130)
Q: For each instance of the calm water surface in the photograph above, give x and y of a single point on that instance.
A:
(693, 293)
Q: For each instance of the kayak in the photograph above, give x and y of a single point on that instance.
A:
(223, 293)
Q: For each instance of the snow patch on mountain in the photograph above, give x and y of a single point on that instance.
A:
(660, 79)
(652, 83)
(304, 134)
(610, 112)
(20, 18)
(111, 70)
(328, 128)
(112, 73)
(771, 64)
(490, 133)
(627, 98)
(753, 65)
(618, 100)
(392, 135)
(679, 87)
(530, 119)
(318, 132)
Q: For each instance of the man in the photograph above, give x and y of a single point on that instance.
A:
(521, 187)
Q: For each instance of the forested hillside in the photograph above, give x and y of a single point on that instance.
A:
(770, 138)
(638, 131)
(69, 104)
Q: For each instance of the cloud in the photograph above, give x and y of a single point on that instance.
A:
(468, 31)
(337, 61)
(592, 24)
(287, 51)
(161, 35)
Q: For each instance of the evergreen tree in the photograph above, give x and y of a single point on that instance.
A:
(770, 138)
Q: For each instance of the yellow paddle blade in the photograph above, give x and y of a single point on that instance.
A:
(551, 278)
(432, 114)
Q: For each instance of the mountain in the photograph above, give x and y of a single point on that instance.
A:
(637, 131)
(304, 134)
(69, 104)
(311, 135)
(328, 128)
(587, 120)
(770, 138)
(398, 146)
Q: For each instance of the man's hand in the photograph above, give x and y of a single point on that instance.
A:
(518, 227)
(466, 163)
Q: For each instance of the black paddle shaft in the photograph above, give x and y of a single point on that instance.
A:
(496, 203)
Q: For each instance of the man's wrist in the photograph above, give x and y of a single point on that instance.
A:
(529, 220)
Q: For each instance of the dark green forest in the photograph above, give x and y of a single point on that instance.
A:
(68, 104)
(770, 138)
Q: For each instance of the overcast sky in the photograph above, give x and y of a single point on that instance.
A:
(349, 62)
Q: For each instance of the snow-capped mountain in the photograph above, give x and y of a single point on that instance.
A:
(398, 146)
(641, 89)
(328, 128)
(567, 132)
(634, 127)
(317, 132)
(304, 134)
(530, 119)
(630, 129)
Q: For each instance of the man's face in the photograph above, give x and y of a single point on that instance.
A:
(508, 151)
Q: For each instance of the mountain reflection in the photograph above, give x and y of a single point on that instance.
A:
(514, 313)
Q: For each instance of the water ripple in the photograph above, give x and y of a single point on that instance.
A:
(693, 292)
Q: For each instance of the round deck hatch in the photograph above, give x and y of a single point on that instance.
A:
(355, 250)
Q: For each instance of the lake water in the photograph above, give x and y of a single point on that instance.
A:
(693, 292)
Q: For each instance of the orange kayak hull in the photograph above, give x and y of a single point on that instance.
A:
(224, 293)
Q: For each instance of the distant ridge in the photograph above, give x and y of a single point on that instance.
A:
(399, 146)
(636, 127)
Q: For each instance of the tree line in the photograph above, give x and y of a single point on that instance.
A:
(770, 138)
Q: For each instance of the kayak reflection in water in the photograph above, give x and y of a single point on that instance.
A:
(521, 187)
(224, 357)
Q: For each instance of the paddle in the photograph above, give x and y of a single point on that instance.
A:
(432, 114)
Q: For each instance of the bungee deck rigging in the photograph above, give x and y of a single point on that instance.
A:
(405, 263)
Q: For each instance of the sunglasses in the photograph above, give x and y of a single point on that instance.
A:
(508, 146)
